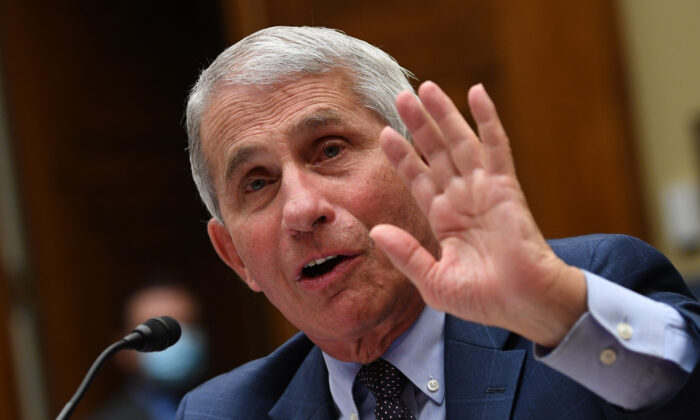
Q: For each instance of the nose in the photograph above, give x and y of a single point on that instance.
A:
(306, 206)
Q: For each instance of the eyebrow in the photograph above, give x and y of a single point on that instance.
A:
(321, 118)
(240, 155)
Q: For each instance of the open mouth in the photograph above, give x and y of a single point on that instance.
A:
(321, 266)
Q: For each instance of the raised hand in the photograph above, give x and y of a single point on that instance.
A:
(495, 267)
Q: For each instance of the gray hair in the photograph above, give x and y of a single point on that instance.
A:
(284, 54)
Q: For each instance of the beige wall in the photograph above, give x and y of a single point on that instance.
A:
(661, 41)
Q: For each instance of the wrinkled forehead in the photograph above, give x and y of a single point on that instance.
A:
(232, 109)
(273, 82)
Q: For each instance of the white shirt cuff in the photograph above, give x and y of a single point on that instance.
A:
(629, 349)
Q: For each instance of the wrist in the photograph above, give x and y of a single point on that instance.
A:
(559, 308)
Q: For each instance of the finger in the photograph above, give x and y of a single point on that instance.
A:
(427, 137)
(497, 152)
(404, 251)
(411, 169)
(461, 140)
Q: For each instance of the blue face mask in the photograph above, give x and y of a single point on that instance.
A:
(180, 364)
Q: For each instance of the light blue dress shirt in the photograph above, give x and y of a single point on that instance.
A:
(418, 353)
(619, 350)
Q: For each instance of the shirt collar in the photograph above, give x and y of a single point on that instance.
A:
(418, 353)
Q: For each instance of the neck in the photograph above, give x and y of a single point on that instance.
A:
(372, 344)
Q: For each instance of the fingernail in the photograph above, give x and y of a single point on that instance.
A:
(480, 86)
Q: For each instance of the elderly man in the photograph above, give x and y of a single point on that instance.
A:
(416, 273)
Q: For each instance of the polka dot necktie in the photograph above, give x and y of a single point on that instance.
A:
(386, 383)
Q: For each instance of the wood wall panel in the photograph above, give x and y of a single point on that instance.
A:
(95, 95)
(564, 103)
(8, 397)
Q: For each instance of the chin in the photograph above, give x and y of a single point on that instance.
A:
(345, 326)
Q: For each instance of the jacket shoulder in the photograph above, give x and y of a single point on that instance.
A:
(249, 390)
(588, 249)
(623, 259)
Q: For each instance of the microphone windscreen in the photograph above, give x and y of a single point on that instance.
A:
(158, 333)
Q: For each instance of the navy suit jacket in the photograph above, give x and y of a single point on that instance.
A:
(490, 372)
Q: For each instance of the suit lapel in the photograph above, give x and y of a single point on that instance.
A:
(482, 379)
(308, 395)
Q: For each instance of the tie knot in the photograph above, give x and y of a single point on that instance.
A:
(382, 379)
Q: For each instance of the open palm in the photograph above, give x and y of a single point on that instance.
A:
(495, 267)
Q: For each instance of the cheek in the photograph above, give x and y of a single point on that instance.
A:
(393, 203)
(389, 201)
(255, 244)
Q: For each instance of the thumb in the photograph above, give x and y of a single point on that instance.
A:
(404, 251)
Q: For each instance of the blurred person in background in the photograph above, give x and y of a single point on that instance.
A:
(156, 381)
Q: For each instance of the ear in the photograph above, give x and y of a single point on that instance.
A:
(223, 244)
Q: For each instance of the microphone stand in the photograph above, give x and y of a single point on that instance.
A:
(156, 334)
(106, 354)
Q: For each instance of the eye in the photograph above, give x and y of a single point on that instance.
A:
(329, 148)
(331, 151)
(256, 184)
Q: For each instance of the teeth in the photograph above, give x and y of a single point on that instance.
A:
(319, 261)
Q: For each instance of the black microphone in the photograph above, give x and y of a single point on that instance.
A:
(156, 334)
